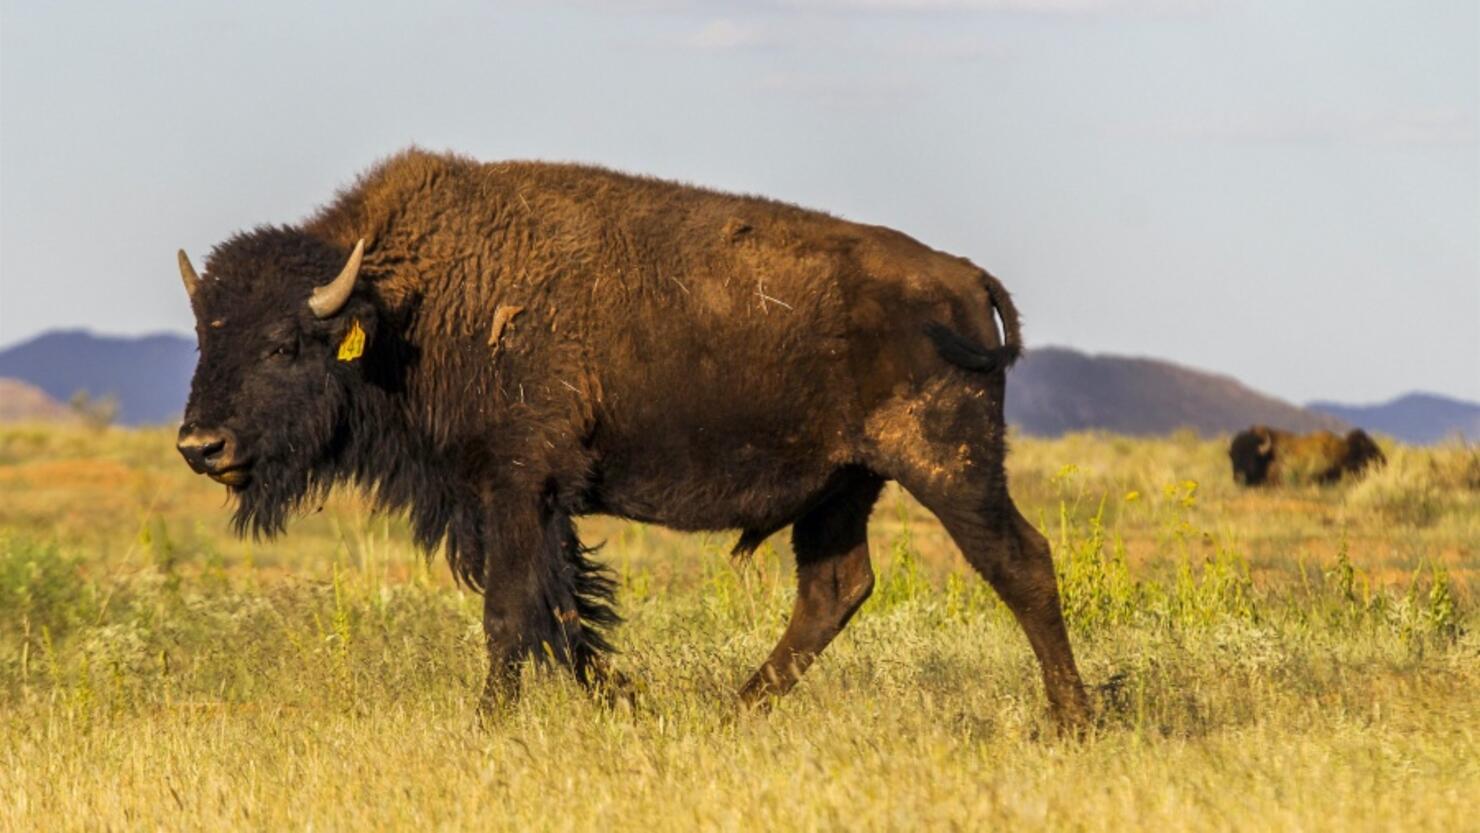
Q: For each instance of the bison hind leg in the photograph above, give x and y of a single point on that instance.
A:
(834, 578)
(945, 446)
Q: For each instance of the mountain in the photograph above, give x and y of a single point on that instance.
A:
(1053, 390)
(24, 402)
(1415, 418)
(149, 375)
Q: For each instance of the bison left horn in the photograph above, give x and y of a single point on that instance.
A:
(187, 274)
(1266, 442)
(329, 298)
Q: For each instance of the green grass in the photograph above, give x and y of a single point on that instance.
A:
(1292, 659)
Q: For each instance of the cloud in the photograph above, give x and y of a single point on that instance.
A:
(1443, 127)
(726, 34)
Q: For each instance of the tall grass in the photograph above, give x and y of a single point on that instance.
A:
(1290, 659)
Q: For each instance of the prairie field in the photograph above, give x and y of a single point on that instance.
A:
(1298, 658)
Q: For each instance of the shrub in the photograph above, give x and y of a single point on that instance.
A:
(1419, 485)
(40, 589)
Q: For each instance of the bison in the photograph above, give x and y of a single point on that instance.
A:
(498, 348)
(1264, 456)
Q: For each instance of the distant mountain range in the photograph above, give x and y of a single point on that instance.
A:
(1051, 391)
(1055, 390)
(1416, 418)
(149, 375)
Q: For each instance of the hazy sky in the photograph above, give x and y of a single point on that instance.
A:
(1285, 191)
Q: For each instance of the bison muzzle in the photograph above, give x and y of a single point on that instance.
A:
(499, 348)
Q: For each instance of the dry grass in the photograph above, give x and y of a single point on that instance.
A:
(1290, 659)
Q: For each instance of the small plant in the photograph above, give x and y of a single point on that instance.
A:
(1096, 585)
(1343, 575)
(40, 591)
(1441, 615)
(1221, 589)
(340, 637)
(904, 580)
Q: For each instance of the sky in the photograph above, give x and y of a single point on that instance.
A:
(1287, 192)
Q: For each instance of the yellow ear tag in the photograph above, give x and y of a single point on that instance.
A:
(353, 345)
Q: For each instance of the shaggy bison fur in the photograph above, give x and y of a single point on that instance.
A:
(509, 346)
(1266, 456)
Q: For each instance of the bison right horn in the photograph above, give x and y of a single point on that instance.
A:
(187, 274)
(329, 298)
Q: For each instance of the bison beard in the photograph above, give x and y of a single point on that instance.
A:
(507, 347)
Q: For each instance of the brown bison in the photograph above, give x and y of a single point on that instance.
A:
(1263, 455)
(499, 348)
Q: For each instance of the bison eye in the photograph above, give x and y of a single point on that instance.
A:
(284, 350)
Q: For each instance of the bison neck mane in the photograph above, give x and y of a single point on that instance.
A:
(375, 433)
(411, 455)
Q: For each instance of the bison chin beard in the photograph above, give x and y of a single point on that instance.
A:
(264, 504)
(291, 475)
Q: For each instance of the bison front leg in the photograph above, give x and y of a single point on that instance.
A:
(511, 600)
(543, 597)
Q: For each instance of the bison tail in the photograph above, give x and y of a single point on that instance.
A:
(1012, 328)
(965, 353)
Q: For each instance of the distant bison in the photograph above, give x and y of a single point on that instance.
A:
(1263, 455)
(509, 346)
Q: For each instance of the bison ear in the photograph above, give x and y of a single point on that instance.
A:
(353, 332)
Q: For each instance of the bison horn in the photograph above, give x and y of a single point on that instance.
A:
(1266, 443)
(187, 274)
(329, 298)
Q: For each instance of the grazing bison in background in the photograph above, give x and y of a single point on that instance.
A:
(1263, 455)
(508, 346)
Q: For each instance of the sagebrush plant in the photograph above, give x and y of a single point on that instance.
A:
(1272, 659)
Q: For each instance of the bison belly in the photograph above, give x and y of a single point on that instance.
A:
(723, 421)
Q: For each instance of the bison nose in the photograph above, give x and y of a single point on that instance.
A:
(207, 451)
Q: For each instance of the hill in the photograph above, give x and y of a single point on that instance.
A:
(1416, 417)
(1051, 391)
(23, 402)
(1054, 390)
(149, 375)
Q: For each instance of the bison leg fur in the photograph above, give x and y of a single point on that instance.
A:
(1016, 560)
(945, 446)
(543, 599)
(834, 578)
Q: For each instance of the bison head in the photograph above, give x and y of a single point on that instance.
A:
(281, 335)
(1252, 452)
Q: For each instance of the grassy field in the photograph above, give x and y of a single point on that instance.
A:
(1288, 659)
